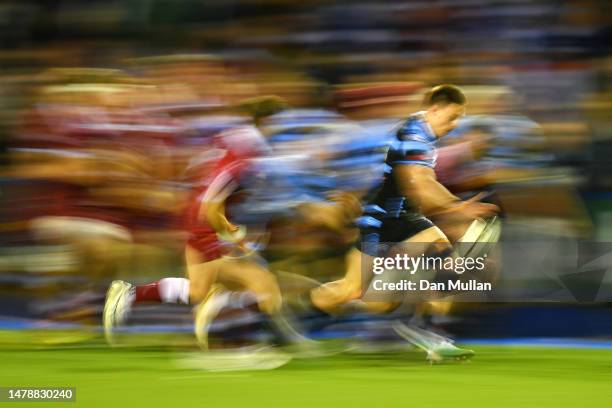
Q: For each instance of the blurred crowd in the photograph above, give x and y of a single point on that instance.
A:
(108, 109)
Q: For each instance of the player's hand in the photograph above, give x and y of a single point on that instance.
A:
(473, 208)
(232, 233)
(348, 204)
(479, 143)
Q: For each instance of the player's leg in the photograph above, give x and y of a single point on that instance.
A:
(432, 242)
(343, 295)
(202, 273)
(259, 284)
(122, 296)
(254, 278)
(427, 240)
(330, 296)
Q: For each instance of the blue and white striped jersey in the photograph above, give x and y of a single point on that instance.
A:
(414, 144)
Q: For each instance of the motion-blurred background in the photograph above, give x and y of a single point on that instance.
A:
(107, 109)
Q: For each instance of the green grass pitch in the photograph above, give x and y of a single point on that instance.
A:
(149, 376)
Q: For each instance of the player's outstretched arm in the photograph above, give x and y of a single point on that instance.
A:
(212, 205)
(336, 214)
(432, 198)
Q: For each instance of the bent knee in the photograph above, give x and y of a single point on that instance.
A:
(197, 294)
(339, 291)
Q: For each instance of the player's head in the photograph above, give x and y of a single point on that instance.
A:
(262, 107)
(445, 104)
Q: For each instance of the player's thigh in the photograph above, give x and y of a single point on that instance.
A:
(200, 272)
(358, 268)
(248, 275)
(430, 240)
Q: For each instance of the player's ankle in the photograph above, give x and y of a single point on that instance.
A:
(167, 290)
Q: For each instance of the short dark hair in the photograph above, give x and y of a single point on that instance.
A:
(261, 107)
(444, 94)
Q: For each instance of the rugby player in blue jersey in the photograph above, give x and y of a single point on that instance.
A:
(398, 212)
